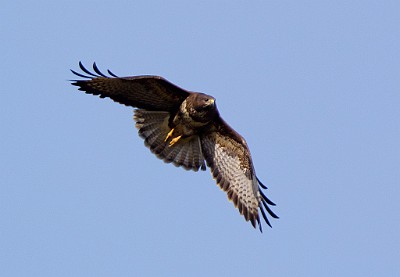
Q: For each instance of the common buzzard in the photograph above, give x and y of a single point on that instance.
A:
(185, 128)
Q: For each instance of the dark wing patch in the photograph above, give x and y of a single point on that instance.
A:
(146, 92)
(229, 158)
(153, 128)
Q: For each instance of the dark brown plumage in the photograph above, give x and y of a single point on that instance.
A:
(185, 128)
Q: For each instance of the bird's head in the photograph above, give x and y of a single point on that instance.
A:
(203, 107)
(204, 102)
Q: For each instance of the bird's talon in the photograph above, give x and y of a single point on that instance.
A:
(174, 140)
(169, 134)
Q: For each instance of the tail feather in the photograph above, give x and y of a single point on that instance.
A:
(153, 128)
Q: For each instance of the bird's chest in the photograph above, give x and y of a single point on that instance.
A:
(184, 123)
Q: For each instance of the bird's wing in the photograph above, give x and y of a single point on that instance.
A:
(146, 92)
(228, 156)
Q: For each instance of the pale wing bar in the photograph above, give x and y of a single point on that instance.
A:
(236, 177)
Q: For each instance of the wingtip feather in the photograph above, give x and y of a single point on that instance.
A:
(266, 199)
(265, 216)
(80, 75)
(261, 184)
(269, 210)
(112, 74)
(96, 69)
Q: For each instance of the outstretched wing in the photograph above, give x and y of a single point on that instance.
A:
(228, 156)
(146, 92)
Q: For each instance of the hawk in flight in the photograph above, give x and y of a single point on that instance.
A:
(185, 128)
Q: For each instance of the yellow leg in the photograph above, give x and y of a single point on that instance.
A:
(169, 134)
(174, 140)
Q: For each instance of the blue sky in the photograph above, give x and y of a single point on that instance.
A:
(313, 86)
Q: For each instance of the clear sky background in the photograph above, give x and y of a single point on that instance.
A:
(313, 86)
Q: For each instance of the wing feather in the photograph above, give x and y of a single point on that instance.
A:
(229, 158)
(146, 92)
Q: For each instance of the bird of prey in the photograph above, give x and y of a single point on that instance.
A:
(185, 128)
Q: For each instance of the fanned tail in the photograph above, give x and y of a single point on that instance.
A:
(153, 128)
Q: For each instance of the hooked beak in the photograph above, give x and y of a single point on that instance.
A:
(211, 102)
